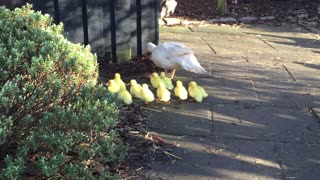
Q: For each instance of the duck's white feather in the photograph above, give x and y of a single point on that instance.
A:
(174, 55)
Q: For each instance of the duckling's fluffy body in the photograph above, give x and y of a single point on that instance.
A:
(180, 91)
(163, 93)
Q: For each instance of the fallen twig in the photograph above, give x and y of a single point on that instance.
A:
(139, 169)
(172, 155)
(150, 109)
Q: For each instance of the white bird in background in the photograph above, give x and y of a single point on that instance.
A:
(172, 56)
(167, 8)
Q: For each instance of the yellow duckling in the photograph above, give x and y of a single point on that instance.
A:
(155, 80)
(195, 92)
(180, 91)
(135, 88)
(118, 80)
(146, 94)
(124, 95)
(163, 93)
(167, 81)
(203, 91)
(113, 86)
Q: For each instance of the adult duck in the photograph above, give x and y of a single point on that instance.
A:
(173, 56)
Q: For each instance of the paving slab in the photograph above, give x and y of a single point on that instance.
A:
(194, 164)
(277, 93)
(210, 158)
(188, 118)
(233, 91)
(265, 123)
(261, 119)
(299, 161)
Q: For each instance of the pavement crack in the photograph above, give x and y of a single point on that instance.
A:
(268, 140)
(283, 172)
(190, 29)
(239, 119)
(253, 83)
(290, 74)
(279, 162)
(275, 148)
(212, 121)
(260, 105)
(267, 43)
(214, 51)
(245, 58)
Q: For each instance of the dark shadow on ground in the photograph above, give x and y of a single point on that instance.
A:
(318, 52)
(313, 66)
(294, 41)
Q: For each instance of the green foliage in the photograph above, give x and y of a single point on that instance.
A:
(50, 104)
(13, 168)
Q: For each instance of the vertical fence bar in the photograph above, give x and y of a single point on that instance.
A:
(156, 21)
(139, 28)
(56, 11)
(85, 22)
(116, 29)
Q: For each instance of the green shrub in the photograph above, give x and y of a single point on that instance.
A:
(52, 110)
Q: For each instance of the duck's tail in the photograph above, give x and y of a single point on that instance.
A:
(194, 66)
(200, 70)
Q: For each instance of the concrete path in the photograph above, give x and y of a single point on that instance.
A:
(261, 119)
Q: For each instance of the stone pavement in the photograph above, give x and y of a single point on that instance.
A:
(261, 119)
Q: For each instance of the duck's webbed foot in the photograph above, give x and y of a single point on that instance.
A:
(171, 74)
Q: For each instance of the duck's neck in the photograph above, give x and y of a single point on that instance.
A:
(151, 47)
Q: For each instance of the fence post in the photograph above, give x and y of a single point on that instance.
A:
(115, 29)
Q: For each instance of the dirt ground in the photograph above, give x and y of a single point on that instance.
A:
(206, 9)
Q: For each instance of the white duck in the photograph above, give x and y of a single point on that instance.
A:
(167, 7)
(172, 56)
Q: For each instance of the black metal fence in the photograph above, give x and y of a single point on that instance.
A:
(116, 30)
